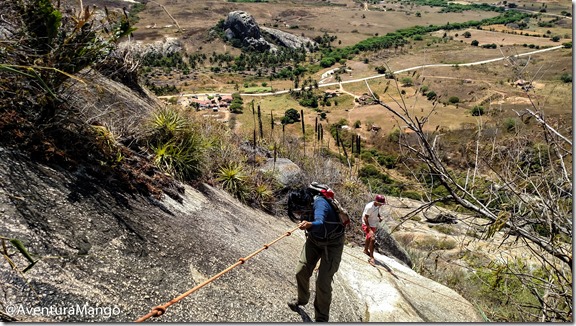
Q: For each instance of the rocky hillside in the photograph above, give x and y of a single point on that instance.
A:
(99, 232)
(95, 246)
(242, 27)
(130, 253)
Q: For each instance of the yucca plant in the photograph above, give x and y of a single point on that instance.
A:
(167, 124)
(233, 179)
(180, 157)
(263, 195)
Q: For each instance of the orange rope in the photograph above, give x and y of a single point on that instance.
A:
(161, 309)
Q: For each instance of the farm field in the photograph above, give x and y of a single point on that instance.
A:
(490, 85)
(158, 116)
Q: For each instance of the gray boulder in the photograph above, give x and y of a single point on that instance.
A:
(288, 39)
(284, 170)
(242, 26)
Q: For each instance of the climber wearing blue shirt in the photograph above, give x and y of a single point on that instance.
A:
(324, 242)
(326, 223)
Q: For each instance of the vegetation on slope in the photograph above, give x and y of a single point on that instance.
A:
(530, 198)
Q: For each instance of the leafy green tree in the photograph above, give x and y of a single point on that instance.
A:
(327, 62)
(406, 81)
(380, 69)
(291, 116)
(237, 104)
(236, 107)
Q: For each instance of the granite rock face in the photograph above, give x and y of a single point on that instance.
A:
(125, 254)
(283, 169)
(287, 39)
(242, 26)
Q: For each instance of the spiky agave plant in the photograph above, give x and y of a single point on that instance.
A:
(233, 179)
(167, 123)
(263, 195)
(180, 157)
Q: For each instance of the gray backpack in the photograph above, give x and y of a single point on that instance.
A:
(323, 190)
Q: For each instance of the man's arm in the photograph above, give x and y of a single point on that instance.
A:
(365, 219)
(320, 211)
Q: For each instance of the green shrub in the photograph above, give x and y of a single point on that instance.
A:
(477, 111)
(430, 243)
(503, 290)
(327, 62)
(510, 124)
(412, 195)
(453, 99)
(394, 136)
(180, 157)
(566, 77)
(369, 170)
(406, 81)
(446, 229)
(290, 116)
(166, 124)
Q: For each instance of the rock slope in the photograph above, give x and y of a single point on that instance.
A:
(102, 249)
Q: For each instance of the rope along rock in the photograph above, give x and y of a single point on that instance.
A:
(161, 309)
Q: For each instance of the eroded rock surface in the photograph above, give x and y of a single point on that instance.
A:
(105, 249)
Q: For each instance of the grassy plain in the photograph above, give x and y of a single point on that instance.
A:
(490, 85)
(493, 85)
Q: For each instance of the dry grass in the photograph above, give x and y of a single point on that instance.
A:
(489, 85)
(310, 18)
(501, 37)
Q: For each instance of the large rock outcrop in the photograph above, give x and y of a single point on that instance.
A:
(287, 39)
(100, 248)
(242, 26)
